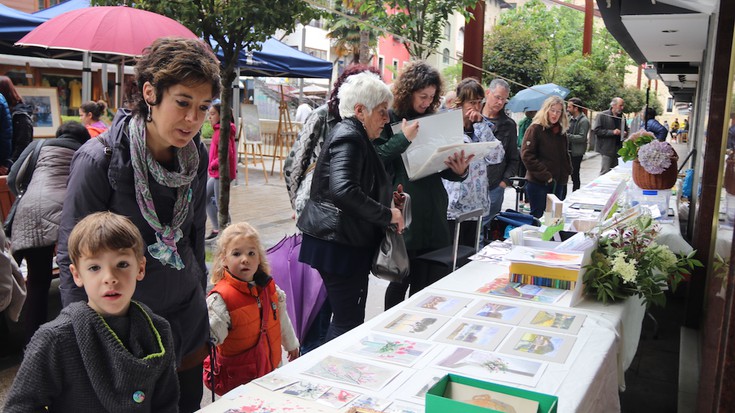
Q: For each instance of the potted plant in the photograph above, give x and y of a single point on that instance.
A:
(654, 162)
(629, 262)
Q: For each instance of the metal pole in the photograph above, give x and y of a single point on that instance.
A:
(86, 77)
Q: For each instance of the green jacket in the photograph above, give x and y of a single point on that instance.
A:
(429, 228)
(522, 126)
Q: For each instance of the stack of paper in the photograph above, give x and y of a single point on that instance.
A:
(439, 136)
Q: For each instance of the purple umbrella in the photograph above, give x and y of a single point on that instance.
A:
(305, 292)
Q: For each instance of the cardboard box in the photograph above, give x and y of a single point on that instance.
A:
(437, 402)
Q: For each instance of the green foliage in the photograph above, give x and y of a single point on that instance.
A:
(452, 75)
(629, 262)
(207, 130)
(514, 54)
(629, 150)
(345, 32)
(421, 22)
(533, 45)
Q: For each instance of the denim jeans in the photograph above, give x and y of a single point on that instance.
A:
(346, 294)
(536, 195)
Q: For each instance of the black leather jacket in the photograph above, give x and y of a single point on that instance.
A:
(350, 191)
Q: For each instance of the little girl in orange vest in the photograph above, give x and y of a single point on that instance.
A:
(247, 313)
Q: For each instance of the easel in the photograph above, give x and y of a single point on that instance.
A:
(285, 134)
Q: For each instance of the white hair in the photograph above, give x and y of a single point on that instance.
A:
(364, 88)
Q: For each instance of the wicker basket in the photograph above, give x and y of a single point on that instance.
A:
(664, 180)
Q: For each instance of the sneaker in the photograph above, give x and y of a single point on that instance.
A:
(212, 235)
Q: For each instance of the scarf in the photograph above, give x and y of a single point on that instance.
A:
(164, 249)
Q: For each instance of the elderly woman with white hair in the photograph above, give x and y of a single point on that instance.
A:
(350, 202)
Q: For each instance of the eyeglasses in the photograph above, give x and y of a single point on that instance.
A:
(500, 98)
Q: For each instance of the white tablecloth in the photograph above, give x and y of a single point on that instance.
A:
(587, 382)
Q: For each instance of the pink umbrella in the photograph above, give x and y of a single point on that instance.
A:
(118, 30)
(109, 30)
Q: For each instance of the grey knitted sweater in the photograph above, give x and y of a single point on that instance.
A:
(76, 363)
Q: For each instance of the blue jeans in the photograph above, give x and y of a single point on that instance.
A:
(212, 207)
(536, 195)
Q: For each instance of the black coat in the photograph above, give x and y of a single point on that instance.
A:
(350, 191)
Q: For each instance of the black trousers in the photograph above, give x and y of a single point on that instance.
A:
(191, 389)
(576, 164)
(347, 294)
(39, 262)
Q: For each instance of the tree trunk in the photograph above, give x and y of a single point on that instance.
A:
(223, 202)
(364, 47)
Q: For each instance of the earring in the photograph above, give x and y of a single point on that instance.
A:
(148, 117)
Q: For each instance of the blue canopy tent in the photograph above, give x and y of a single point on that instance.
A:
(276, 59)
(61, 8)
(14, 24)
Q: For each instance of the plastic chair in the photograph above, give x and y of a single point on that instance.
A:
(448, 256)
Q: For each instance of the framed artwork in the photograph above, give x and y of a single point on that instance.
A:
(46, 115)
(498, 313)
(541, 345)
(250, 122)
(398, 350)
(417, 325)
(567, 323)
(441, 304)
(489, 366)
(356, 373)
(471, 333)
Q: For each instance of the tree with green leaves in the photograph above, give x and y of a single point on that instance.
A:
(512, 53)
(349, 37)
(420, 22)
(235, 26)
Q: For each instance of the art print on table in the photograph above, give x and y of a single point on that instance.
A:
(496, 312)
(306, 390)
(262, 401)
(484, 336)
(489, 366)
(416, 325)
(403, 407)
(337, 398)
(441, 304)
(274, 381)
(370, 402)
(398, 350)
(567, 323)
(415, 388)
(492, 400)
(356, 373)
(501, 286)
(539, 345)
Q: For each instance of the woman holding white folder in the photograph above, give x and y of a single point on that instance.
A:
(417, 93)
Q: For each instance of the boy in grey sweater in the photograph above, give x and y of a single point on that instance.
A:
(109, 354)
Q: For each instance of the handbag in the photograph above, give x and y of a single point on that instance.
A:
(222, 374)
(391, 259)
(22, 186)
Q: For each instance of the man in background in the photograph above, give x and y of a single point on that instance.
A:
(610, 130)
(504, 128)
(579, 126)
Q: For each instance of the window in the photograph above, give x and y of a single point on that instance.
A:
(669, 104)
(445, 56)
(395, 69)
(448, 31)
(381, 65)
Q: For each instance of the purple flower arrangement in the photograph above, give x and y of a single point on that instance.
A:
(655, 156)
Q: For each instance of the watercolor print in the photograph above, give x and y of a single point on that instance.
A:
(496, 312)
(484, 336)
(306, 390)
(502, 287)
(371, 402)
(399, 350)
(489, 366)
(567, 323)
(274, 381)
(415, 388)
(544, 257)
(356, 373)
(441, 304)
(416, 325)
(258, 402)
(404, 407)
(539, 345)
(337, 398)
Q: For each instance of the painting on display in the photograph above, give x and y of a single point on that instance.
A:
(398, 350)
(416, 325)
(561, 322)
(490, 366)
(357, 373)
(45, 103)
(539, 345)
(498, 313)
(484, 336)
(441, 304)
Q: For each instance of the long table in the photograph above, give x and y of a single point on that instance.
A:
(588, 381)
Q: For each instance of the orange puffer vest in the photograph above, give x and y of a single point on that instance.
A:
(243, 305)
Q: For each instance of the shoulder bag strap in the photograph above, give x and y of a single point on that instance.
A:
(23, 185)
